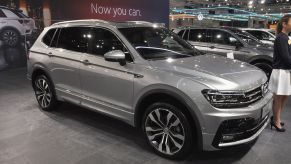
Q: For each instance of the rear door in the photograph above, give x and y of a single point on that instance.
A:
(66, 57)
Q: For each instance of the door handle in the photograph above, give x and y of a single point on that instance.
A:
(86, 62)
(50, 54)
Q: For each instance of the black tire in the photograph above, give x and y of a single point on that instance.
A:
(266, 67)
(10, 37)
(44, 93)
(170, 134)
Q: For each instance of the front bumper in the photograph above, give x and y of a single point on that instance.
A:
(225, 128)
(240, 132)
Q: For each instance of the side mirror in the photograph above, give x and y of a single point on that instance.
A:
(115, 56)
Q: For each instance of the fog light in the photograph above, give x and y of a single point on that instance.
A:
(227, 138)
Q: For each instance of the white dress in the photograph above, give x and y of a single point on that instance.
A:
(280, 83)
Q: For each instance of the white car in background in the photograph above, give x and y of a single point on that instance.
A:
(14, 25)
(266, 36)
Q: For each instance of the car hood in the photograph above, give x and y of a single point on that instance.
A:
(214, 71)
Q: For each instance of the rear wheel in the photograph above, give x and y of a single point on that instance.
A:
(167, 130)
(10, 37)
(44, 93)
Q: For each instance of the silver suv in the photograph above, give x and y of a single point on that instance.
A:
(152, 79)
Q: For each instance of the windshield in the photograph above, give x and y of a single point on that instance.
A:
(250, 40)
(158, 43)
(247, 37)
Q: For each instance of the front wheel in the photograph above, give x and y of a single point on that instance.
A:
(167, 130)
(44, 93)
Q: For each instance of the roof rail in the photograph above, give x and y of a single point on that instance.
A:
(81, 20)
(138, 22)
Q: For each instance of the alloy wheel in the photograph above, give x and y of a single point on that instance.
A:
(43, 92)
(10, 37)
(165, 131)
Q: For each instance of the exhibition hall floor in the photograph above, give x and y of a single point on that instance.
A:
(72, 134)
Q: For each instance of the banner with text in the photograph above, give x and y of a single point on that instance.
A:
(114, 10)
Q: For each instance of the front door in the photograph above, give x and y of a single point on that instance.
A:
(106, 86)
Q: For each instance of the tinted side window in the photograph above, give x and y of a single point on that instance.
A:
(104, 41)
(256, 34)
(2, 15)
(221, 37)
(198, 35)
(75, 39)
(48, 37)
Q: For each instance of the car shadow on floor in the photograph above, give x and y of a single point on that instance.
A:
(83, 118)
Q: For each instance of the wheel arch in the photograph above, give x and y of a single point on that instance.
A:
(257, 58)
(10, 28)
(41, 70)
(172, 95)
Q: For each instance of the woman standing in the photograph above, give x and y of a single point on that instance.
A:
(280, 83)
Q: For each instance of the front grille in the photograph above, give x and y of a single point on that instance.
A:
(252, 96)
(246, 99)
(238, 129)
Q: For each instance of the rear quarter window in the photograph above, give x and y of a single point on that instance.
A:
(48, 37)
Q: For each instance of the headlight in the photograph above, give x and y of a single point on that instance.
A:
(223, 99)
(233, 99)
